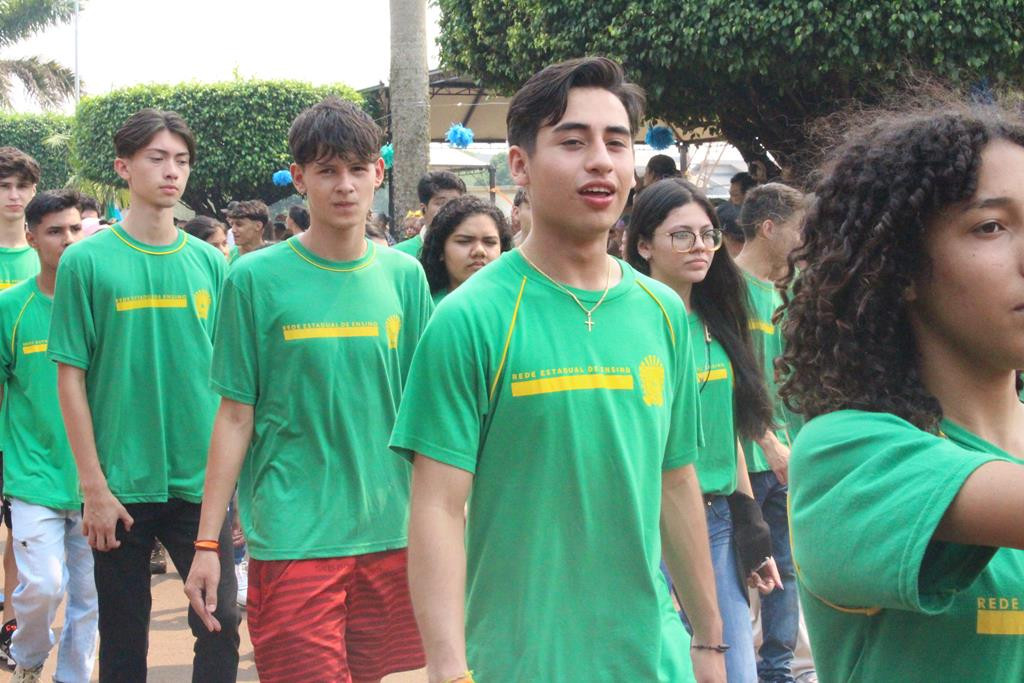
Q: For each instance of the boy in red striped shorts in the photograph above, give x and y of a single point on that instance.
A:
(314, 339)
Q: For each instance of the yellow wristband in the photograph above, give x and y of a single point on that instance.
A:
(461, 678)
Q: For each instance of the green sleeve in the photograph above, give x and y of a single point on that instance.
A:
(220, 273)
(685, 434)
(72, 323)
(7, 341)
(418, 308)
(445, 399)
(234, 370)
(867, 491)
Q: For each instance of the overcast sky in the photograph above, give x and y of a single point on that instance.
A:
(125, 42)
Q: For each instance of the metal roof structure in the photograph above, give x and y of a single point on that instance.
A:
(455, 99)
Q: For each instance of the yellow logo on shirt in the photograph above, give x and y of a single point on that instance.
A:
(7, 284)
(330, 330)
(133, 303)
(652, 381)
(571, 378)
(391, 326)
(202, 302)
(717, 372)
(1000, 616)
(34, 347)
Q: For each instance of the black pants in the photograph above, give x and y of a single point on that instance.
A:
(123, 589)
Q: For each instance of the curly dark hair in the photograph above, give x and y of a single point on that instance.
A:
(720, 300)
(848, 340)
(445, 222)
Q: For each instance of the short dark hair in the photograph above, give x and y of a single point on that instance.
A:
(543, 99)
(202, 227)
(252, 209)
(88, 203)
(662, 166)
(435, 181)
(746, 181)
(143, 125)
(773, 201)
(15, 162)
(446, 221)
(521, 197)
(51, 201)
(299, 216)
(334, 128)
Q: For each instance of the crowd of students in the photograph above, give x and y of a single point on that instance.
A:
(519, 458)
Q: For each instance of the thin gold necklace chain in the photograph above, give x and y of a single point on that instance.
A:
(607, 285)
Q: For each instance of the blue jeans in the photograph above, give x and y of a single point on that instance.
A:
(780, 610)
(54, 558)
(732, 596)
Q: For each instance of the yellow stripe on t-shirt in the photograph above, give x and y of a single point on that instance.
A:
(552, 385)
(1000, 622)
(713, 375)
(761, 326)
(7, 284)
(136, 302)
(33, 347)
(331, 331)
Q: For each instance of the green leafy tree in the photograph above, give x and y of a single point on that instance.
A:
(755, 71)
(46, 81)
(241, 130)
(39, 135)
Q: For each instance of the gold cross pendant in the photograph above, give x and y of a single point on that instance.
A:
(589, 323)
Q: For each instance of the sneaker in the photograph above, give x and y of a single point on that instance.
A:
(158, 560)
(242, 577)
(32, 675)
(6, 633)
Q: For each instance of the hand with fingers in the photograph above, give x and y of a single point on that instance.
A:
(100, 514)
(201, 587)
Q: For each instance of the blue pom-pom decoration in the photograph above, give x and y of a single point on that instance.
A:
(387, 153)
(282, 178)
(460, 136)
(660, 137)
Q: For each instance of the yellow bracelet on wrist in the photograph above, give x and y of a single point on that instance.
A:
(466, 677)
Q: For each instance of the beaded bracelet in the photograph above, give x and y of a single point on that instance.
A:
(212, 546)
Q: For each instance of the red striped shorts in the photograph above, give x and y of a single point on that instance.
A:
(332, 619)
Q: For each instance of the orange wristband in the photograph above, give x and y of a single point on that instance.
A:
(212, 546)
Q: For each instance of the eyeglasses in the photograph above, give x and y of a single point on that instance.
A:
(684, 240)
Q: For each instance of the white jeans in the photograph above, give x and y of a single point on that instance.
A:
(53, 556)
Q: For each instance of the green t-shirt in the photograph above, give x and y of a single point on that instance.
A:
(233, 254)
(567, 433)
(763, 300)
(38, 466)
(883, 601)
(16, 265)
(322, 356)
(439, 295)
(716, 467)
(138, 319)
(412, 246)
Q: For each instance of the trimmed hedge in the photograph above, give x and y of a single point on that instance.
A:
(241, 131)
(29, 133)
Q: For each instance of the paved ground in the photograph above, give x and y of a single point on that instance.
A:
(170, 641)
